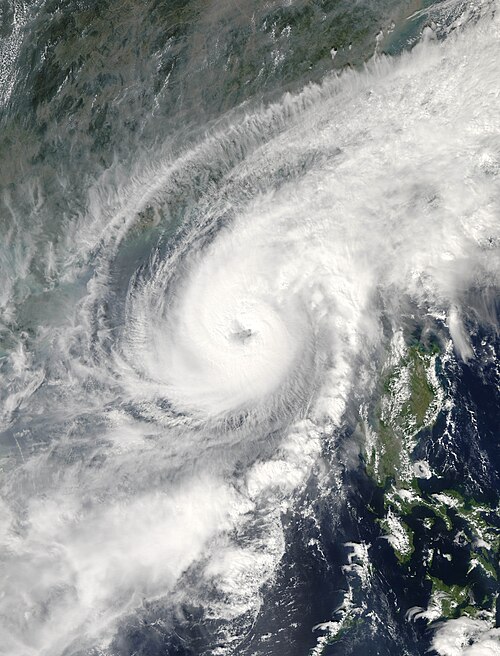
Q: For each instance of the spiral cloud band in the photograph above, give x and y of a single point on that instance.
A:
(230, 336)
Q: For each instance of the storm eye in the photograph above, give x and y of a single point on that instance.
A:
(241, 335)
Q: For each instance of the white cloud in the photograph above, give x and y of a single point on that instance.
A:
(467, 637)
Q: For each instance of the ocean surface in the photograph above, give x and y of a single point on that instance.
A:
(249, 328)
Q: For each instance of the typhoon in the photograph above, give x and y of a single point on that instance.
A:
(249, 371)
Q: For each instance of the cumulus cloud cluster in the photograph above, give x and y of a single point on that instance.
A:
(467, 637)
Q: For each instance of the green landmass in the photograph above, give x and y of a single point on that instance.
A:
(410, 400)
(405, 407)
